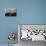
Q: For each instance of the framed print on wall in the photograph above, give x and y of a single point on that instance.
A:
(32, 32)
(10, 11)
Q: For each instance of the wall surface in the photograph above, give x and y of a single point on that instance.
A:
(28, 12)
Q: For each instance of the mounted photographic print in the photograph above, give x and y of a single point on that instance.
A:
(10, 11)
(32, 32)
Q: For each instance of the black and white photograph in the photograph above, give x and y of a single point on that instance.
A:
(10, 11)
